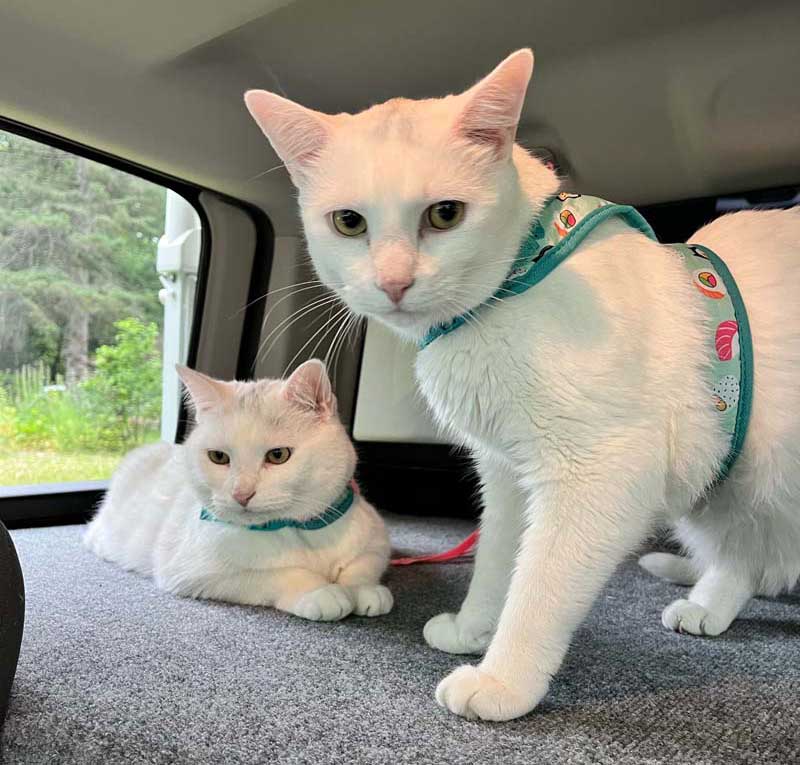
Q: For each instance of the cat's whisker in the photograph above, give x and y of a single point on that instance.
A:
(339, 325)
(353, 320)
(316, 504)
(313, 302)
(290, 295)
(279, 331)
(482, 265)
(287, 322)
(469, 314)
(310, 282)
(316, 284)
(331, 352)
(287, 161)
(266, 172)
(333, 324)
(322, 338)
(284, 325)
(324, 328)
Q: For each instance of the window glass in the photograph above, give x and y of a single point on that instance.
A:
(82, 312)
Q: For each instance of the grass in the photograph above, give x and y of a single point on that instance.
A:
(19, 468)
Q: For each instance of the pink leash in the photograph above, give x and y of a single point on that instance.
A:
(461, 550)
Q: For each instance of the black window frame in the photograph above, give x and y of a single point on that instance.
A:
(74, 502)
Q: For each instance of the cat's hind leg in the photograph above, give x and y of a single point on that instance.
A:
(713, 603)
(728, 544)
(677, 569)
(716, 598)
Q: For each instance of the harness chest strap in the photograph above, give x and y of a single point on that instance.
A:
(564, 224)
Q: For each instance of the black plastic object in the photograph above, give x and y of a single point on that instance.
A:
(12, 616)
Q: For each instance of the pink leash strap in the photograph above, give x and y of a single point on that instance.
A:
(459, 551)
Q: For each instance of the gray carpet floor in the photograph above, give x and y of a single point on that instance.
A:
(114, 671)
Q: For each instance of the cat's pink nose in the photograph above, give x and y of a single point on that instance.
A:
(243, 497)
(395, 288)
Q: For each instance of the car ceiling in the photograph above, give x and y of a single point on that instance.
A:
(640, 102)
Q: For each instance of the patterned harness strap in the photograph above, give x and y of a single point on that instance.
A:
(564, 223)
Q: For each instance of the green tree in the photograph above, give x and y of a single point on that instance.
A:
(125, 391)
(77, 252)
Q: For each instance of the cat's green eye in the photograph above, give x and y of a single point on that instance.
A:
(444, 215)
(278, 456)
(349, 222)
(218, 458)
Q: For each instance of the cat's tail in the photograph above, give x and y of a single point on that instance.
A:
(673, 568)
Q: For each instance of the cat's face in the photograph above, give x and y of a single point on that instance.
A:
(267, 449)
(410, 208)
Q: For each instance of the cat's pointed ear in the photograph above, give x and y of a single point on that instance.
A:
(493, 105)
(297, 134)
(309, 387)
(205, 393)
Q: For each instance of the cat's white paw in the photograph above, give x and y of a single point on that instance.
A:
(372, 600)
(692, 618)
(327, 604)
(472, 693)
(453, 634)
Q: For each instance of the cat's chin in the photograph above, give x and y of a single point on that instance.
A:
(408, 323)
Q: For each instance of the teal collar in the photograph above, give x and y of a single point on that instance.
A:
(333, 513)
(563, 224)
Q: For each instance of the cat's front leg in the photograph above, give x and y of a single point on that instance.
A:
(361, 577)
(471, 629)
(311, 596)
(579, 529)
(298, 591)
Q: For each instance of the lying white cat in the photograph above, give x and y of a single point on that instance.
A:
(258, 506)
(586, 400)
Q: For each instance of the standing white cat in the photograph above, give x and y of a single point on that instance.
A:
(586, 399)
(257, 506)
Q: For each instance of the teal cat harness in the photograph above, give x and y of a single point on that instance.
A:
(335, 511)
(564, 224)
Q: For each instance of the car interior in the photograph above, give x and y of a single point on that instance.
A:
(685, 110)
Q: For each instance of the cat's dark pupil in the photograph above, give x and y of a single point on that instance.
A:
(446, 211)
(350, 218)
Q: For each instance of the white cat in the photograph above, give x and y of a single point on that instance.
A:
(585, 400)
(201, 517)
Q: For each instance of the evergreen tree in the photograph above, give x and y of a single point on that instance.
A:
(77, 253)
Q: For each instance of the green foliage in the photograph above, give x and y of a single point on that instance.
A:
(26, 383)
(77, 255)
(8, 418)
(55, 420)
(125, 391)
(114, 410)
(32, 467)
(75, 236)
